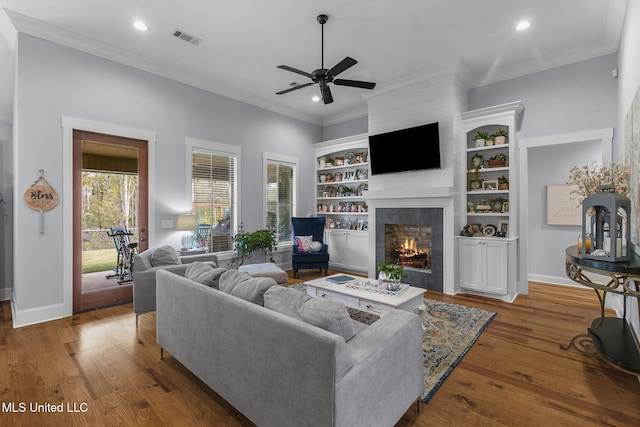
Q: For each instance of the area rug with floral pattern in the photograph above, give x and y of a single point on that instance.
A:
(450, 330)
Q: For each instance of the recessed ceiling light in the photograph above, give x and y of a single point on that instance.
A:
(315, 98)
(139, 25)
(523, 25)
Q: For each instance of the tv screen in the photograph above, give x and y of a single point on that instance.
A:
(404, 150)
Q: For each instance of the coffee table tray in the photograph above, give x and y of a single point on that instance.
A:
(377, 288)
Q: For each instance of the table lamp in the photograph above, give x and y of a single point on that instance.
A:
(189, 223)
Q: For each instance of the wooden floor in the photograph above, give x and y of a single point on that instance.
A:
(98, 364)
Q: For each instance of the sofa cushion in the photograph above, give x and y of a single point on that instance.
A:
(329, 315)
(204, 273)
(164, 255)
(242, 285)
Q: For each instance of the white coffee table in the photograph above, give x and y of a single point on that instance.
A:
(370, 302)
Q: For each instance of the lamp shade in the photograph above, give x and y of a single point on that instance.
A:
(187, 222)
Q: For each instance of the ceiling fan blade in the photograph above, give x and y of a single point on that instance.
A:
(294, 70)
(282, 92)
(341, 66)
(327, 98)
(354, 83)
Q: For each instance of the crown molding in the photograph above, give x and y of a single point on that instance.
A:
(34, 27)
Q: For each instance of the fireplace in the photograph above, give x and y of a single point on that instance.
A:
(408, 245)
(412, 237)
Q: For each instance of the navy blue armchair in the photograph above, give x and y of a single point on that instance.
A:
(305, 256)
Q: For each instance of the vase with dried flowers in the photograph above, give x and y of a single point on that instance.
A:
(590, 177)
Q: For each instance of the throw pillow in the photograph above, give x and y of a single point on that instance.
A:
(329, 315)
(204, 273)
(164, 255)
(304, 243)
(242, 285)
(315, 246)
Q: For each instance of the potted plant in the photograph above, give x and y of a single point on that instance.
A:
(498, 160)
(489, 141)
(329, 162)
(500, 137)
(245, 243)
(503, 183)
(480, 138)
(390, 272)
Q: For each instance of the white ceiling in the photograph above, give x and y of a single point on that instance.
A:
(244, 41)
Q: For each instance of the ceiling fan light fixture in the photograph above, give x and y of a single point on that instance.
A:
(315, 98)
(523, 25)
(139, 25)
(323, 76)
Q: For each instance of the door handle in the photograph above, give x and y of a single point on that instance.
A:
(142, 239)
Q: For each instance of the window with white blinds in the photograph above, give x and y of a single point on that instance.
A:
(214, 195)
(280, 185)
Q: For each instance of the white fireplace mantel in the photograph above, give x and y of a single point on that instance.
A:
(409, 193)
(437, 196)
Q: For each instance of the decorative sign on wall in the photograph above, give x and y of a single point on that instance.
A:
(564, 207)
(41, 196)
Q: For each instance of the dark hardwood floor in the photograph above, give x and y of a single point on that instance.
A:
(516, 374)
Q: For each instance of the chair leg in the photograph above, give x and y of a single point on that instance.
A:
(295, 274)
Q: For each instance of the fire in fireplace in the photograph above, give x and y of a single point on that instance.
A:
(410, 255)
(409, 245)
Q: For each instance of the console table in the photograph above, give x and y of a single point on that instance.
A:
(612, 337)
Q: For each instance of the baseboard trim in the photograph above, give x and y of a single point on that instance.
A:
(553, 280)
(5, 294)
(35, 315)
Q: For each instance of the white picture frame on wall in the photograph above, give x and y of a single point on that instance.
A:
(564, 206)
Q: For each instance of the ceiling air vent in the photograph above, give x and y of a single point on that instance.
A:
(187, 37)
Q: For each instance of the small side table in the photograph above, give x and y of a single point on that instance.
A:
(612, 337)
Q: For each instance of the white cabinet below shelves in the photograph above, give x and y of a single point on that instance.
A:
(487, 265)
(348, 249)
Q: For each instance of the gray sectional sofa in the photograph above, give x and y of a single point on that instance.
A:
(280, 357)
(144, 273)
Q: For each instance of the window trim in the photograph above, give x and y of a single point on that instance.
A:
(284, 159)
(215, 148)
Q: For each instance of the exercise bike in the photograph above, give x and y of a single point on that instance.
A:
(126, 254)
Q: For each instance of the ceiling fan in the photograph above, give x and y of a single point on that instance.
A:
(324, 76)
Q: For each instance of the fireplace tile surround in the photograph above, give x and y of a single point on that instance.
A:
(433, 217)
(424, 206)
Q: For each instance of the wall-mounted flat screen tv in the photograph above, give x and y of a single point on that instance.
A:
(404, 150)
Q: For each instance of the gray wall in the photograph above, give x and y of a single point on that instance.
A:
(6, 217)
(348, 128)
(548, 242)
(573, 98)
(55, 81)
